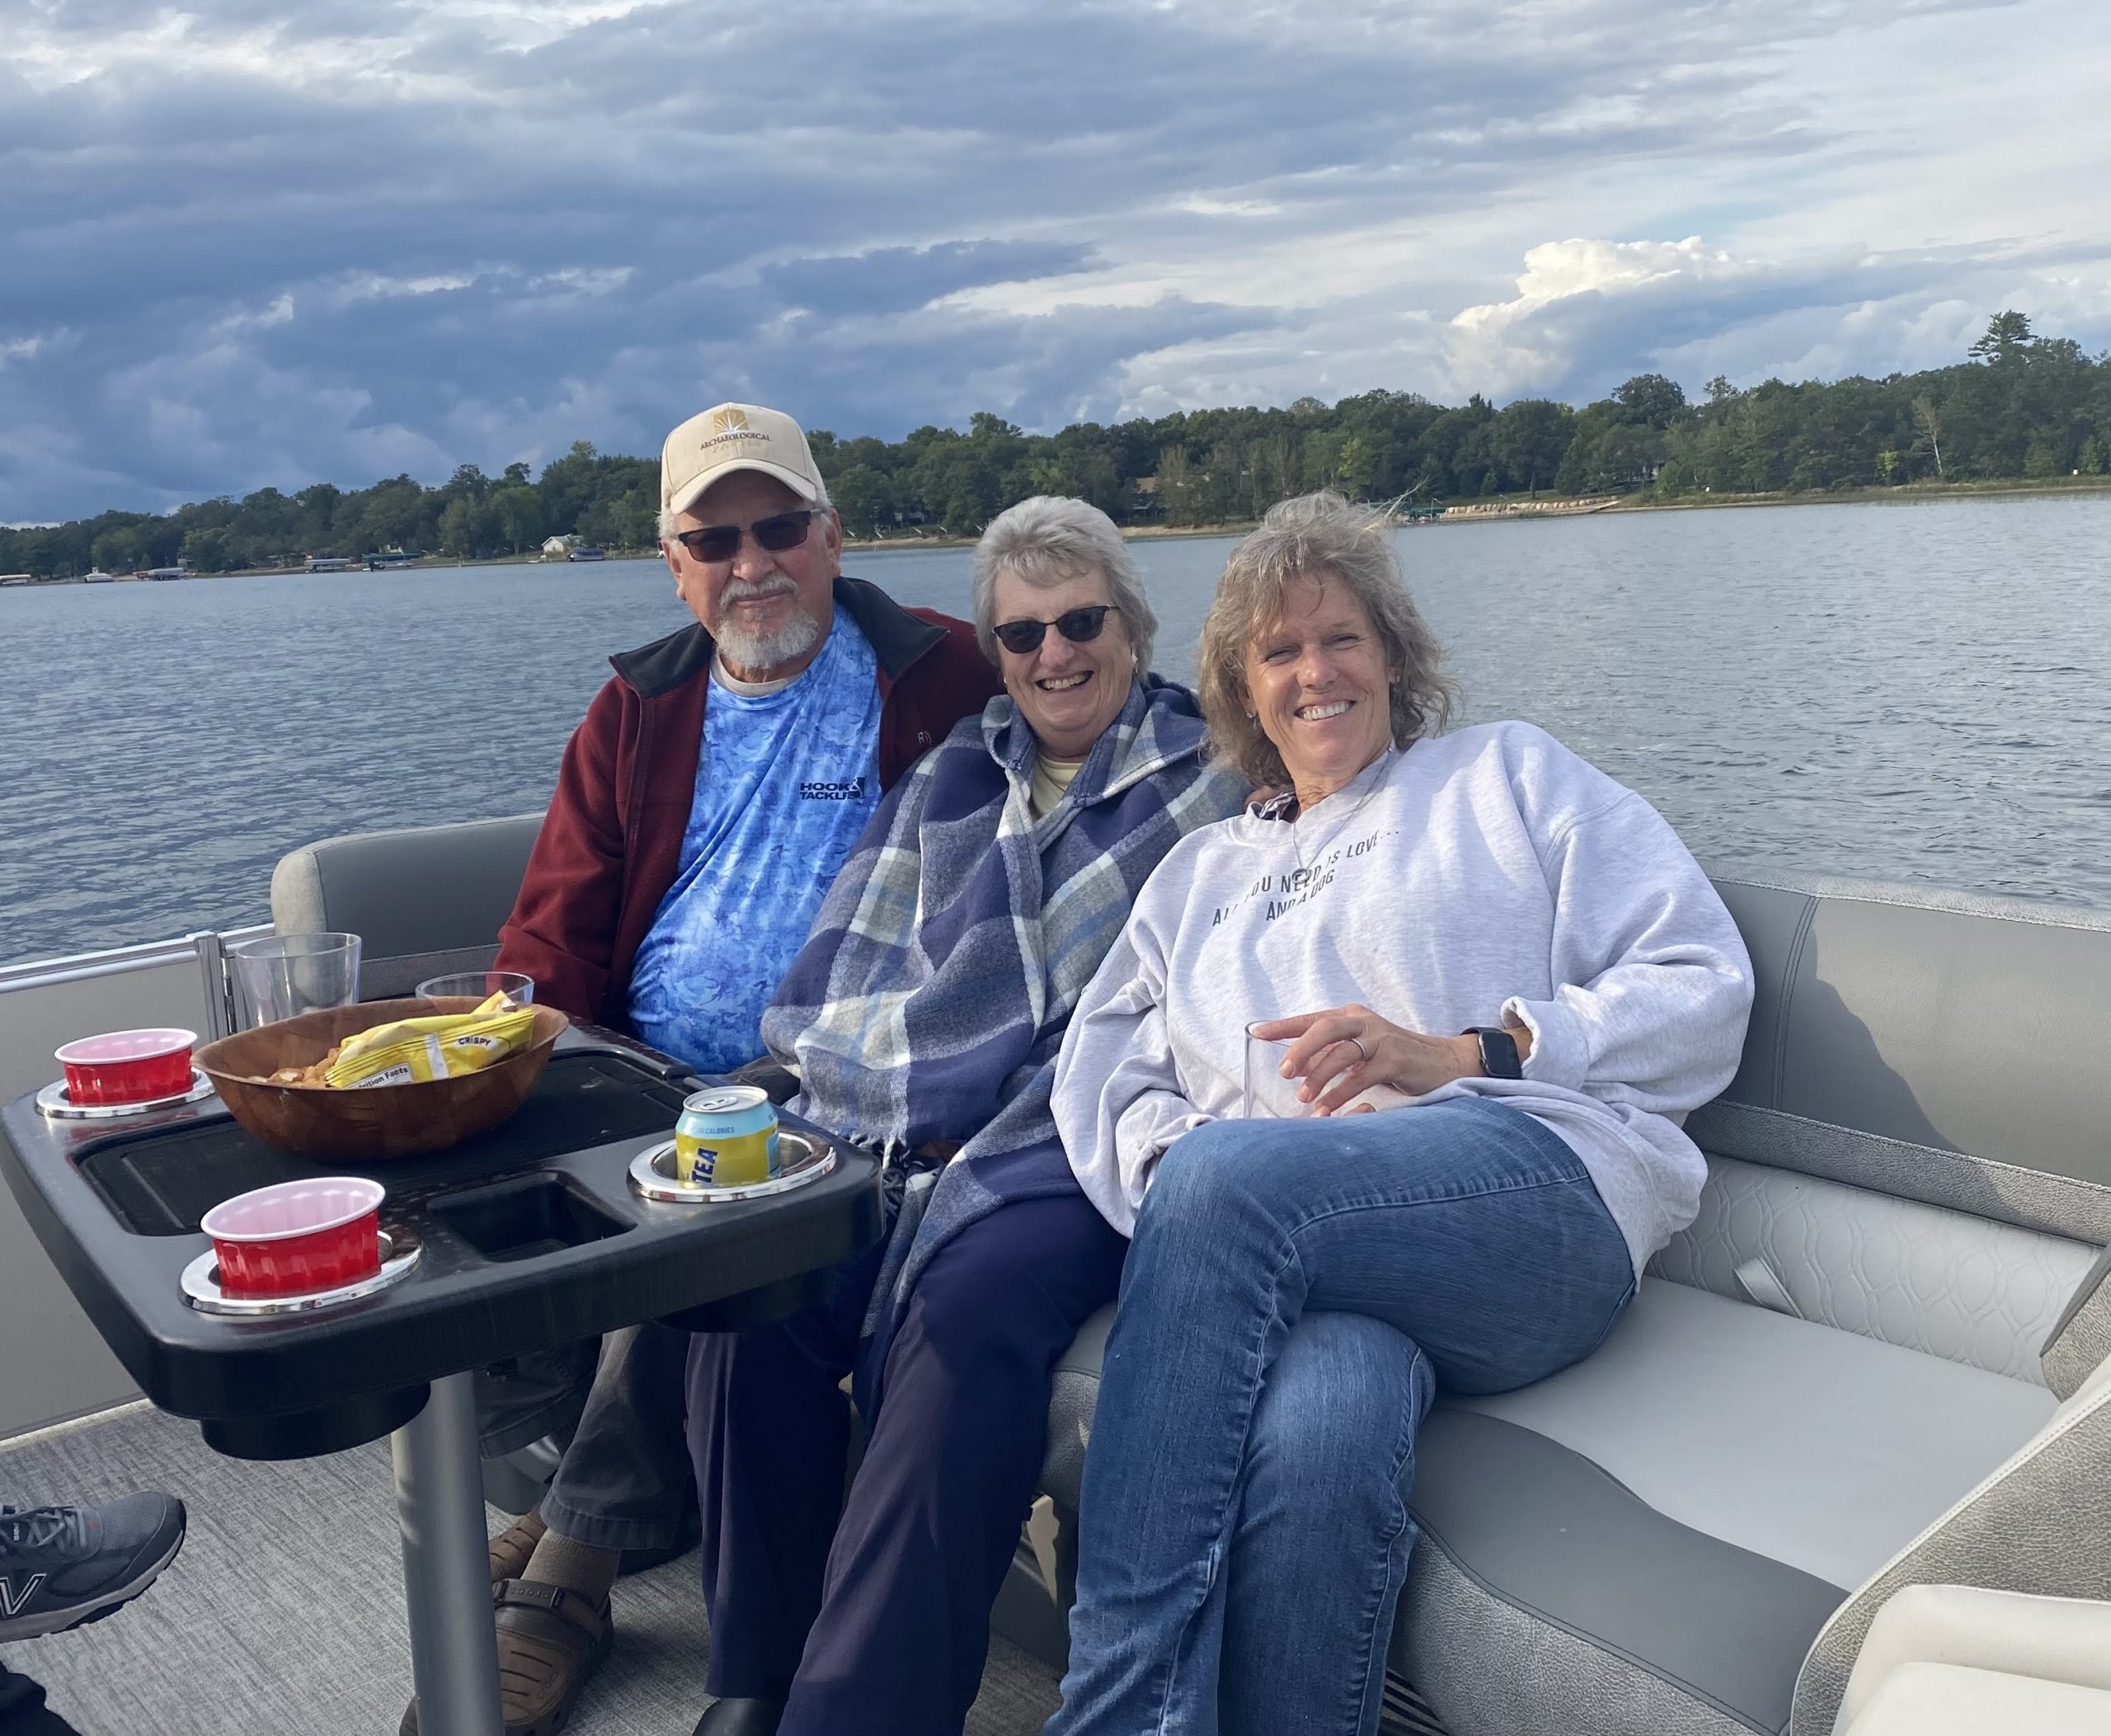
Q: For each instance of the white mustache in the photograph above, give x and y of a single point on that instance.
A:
(753, 591)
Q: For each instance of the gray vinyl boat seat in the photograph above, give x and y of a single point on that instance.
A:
(425, 901)
(1880, 1357)
(1845, 1377)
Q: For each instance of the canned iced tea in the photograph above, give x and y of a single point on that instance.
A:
(727, 1137)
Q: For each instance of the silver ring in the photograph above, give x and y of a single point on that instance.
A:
(1363, 1054)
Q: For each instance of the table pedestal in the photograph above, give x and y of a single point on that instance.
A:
(439, 1501)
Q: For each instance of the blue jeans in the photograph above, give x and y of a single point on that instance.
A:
(1296, 1292)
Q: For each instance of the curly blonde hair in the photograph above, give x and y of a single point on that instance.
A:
(1316, 537)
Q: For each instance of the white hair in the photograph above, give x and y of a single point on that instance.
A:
(1051, 538)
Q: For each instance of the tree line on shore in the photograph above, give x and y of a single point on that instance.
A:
(2021, 406)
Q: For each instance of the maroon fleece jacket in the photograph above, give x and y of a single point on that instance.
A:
(610, 845)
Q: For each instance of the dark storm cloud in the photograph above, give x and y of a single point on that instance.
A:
(1043, 371)
(249, 244)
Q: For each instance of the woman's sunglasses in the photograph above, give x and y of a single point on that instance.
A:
(780, 531)
(1079, 626)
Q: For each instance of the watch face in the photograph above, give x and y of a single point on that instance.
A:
(1499, 1054)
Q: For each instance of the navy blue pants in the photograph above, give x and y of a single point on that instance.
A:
(22, 1710)
(869, 1610)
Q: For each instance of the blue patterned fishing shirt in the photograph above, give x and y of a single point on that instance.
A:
(784, 784)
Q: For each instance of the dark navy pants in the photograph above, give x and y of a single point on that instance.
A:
(869, 1610)
(22, 1710)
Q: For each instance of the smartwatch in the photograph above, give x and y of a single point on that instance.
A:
(1498, 1051)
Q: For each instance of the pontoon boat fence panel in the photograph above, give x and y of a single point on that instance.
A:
(45, 1002)
(57, 1364)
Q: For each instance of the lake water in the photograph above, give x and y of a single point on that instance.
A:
(1918, 692)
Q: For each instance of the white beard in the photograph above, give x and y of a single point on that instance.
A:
(750, 650)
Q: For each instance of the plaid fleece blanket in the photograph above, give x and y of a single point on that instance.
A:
(931, 998)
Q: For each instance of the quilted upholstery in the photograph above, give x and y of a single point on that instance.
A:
(1920, 1277)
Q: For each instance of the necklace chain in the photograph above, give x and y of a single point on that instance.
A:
(1375, 770)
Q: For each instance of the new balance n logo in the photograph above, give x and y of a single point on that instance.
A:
(12, 1602)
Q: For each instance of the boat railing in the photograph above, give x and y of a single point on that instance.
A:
(207, 949)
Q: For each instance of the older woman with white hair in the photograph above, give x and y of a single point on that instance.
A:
(923, 1017)
(1512, 968)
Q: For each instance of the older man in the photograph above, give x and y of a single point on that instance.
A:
(705, 804)
(689, 846)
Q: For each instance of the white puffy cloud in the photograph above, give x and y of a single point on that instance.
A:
(1588, 313)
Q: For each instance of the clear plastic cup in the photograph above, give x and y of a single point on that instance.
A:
(1264, 1092)
(481, 984)
(284, 975)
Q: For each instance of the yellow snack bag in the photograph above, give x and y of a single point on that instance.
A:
(402, 1030)
(411, 1050)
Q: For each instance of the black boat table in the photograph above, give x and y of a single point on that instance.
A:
(528, 1237)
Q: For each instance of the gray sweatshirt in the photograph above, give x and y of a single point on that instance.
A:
(1486, 876)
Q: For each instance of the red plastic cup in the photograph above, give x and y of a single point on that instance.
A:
(296, 1237)
(127, 1066)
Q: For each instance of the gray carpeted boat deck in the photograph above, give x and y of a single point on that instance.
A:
(284, 1615)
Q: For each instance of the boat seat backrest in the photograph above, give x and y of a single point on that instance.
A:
(1908, 1150)
(1924, 1044)
(424, 900)
(2040, 1523)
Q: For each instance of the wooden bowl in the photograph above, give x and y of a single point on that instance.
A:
(375, 1123)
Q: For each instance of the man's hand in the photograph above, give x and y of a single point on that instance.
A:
(1344, 1052)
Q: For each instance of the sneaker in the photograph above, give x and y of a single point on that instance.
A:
(61, 1567)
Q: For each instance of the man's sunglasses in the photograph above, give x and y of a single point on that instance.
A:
(778, 532)
(1079, 626)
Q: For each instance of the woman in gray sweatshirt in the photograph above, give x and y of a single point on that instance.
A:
(1499, 982)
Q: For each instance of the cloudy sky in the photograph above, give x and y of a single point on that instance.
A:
(251, 242)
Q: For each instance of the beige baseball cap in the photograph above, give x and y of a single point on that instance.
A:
(730, 437)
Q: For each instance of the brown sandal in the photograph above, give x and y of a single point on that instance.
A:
(550, 1640)
(511, 1549)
